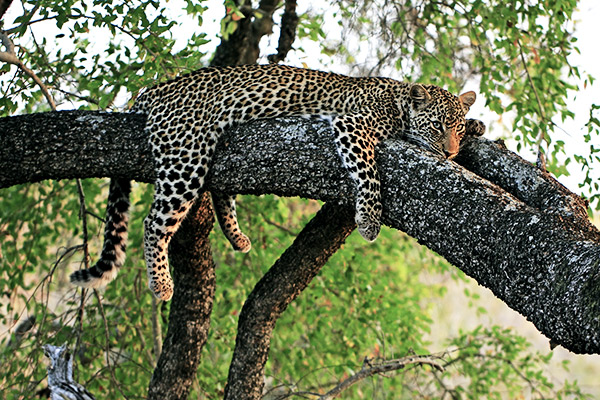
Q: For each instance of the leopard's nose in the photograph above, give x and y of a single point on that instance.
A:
(449, 155)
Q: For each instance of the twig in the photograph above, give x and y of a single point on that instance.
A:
(83, 215)
(9, 56)
(156, 331)
(110, 367)
(541, 160)
(369, 369)
(86, 258)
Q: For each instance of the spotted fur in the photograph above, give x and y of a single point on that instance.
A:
(115, 239)
(186, 117)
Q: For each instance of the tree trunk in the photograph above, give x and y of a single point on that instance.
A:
(189, 317)
(521, 234)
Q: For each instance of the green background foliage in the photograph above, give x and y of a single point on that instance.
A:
(371, 301)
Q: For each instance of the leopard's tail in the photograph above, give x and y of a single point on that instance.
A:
(115, 239)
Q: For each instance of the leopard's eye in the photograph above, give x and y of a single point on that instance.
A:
(437, 125)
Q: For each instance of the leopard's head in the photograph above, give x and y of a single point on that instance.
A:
(437, 119)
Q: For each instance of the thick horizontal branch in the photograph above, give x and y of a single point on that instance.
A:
(73, 144)
(518, 232)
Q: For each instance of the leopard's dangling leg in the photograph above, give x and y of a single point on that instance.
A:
(226, 215)
(355, 141)
(115, 239)
(180, 175)
(166, 214)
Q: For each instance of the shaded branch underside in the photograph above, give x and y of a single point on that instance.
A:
(503, 222)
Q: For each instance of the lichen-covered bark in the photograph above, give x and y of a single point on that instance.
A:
(73, 144)
(525, 237)
(535, 249)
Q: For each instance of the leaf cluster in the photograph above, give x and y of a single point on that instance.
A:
(95, 55)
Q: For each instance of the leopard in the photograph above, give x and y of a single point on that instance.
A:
(186, 116)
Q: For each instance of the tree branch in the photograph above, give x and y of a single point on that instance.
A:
(287, 32)
(521, 234)
(369, 370)
(286, 279)
(242, 46)
(9, 56)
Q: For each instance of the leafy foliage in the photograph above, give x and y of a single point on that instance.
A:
(369, 301)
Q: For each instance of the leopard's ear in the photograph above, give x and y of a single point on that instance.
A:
(419, 94)
(467, 99)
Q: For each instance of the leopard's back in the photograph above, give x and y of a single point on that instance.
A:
(244, 93)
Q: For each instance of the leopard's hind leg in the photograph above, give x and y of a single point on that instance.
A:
(226, 215)
(180, 177)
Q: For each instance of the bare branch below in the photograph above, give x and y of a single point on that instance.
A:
(60, 375)
(286, 279)
(369, 370)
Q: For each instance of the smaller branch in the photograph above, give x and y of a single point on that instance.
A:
(93, 214)
(79, 319)
(84, 227)
(24, 328)
(27, 17)
(78, 96)
(541, 159)
(46, 280)
(149, 356)
(270, 222)
(451, 392)
(10, 47)
(156, 331)
(287, 32)
(109, 365)
(86, 259)
(9, 56)
(369, 370)
(281, 285)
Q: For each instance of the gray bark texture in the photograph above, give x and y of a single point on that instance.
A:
(511, 227)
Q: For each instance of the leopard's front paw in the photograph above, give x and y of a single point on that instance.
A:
(474, 127)
(368, 229)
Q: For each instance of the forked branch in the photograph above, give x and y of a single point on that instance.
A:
(510, 226)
